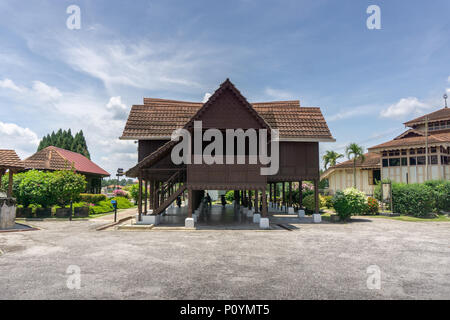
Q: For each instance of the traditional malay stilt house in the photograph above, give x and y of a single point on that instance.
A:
(152, 124)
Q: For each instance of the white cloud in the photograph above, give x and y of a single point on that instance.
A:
(9, 84)
(45, 92)
(118, 109)
(278, 94)
(23, 140)
(350, 113)
(206, 97)
(405, 107)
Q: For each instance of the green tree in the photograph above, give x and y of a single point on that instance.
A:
(330, 158)
(65, 140)
(66, 186)
(355, 152)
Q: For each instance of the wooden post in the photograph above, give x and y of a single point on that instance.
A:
(300, 194)
(140, 196)
(190, 203)
(256, 201)
(146, 197)
(316, 195)
(290, 194)
(264, 203)
(284, 195)
(10, 184)
(270, 192)
(2, 172)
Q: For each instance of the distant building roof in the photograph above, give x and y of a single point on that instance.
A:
(418, 140)
(372, 161)
(53, 158)
(441, 114)
(10, 160)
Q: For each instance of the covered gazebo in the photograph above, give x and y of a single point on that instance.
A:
(11, 163)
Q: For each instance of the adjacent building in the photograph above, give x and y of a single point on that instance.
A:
(53, 158)
(419, 154)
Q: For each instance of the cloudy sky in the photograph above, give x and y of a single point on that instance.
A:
(367, 82)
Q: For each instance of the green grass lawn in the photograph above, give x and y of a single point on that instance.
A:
(440, 218)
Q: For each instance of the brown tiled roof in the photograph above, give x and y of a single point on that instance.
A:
(433, 138)
(372, 161)
(10, 160)
(441, 114)
(53, 158)
(158, 118)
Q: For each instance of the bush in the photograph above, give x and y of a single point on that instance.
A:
(229, 196)
(372, 206)
(92, 198)
(66, 186)
(106, 205)
(310, 204)
(328, 201)
(441, 194)
(411, 199)
(349, 202)
(34, 189)
(134, 191)
(120, 193)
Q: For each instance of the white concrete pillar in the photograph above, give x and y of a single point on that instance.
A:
(189, 223)
(256, 218)
(264, 223)
(317, 217)
(301, 213)
(291, 210)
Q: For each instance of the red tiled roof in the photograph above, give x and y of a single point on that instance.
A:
(433, 138)
(372, 161)
(441, 114)
(10, 160)
(158, 118)
(53, 158)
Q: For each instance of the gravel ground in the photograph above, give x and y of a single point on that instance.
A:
(323, 261)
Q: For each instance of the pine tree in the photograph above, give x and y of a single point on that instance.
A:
(65, 140)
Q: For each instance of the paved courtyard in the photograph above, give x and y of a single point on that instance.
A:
(323, 261)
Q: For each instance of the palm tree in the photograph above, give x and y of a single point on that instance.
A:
(330, 158)
(355, 152)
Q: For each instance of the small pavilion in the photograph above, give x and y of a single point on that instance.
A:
(11, 163)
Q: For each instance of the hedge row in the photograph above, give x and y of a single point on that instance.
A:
(419, 199)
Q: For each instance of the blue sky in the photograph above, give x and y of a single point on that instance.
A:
(367, 82)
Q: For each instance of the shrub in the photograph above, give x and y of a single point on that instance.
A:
(34, 188)
(229, 196)
(134, 191)
(120, 193)
(349, 202)
(310, 204)
(106, 206)
(441, 194)
(123, 203)
(66, 186)
(92, 198)
(372, 206)
(328, 201)
(411, 199)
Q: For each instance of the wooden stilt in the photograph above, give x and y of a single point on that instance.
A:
(300, 194)
(316, 195)
(140, 196)
(264, 203)
(284, 195)
(290, 194)
(256, 201)
(146, 197)
(10, 184)
(190, 203)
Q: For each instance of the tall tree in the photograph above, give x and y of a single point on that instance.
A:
(65, 140)
(330, 158)
(355, 152)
